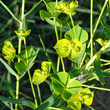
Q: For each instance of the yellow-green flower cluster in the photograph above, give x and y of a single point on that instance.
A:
(9, 51)
(67, 48)
(40, 76)
(67, 8)
(84, 96)
(23, 33)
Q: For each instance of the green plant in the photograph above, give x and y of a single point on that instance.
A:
(65, 85)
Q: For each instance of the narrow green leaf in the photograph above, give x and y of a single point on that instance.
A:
(105, 25)
(18, 101)
(107, 33)
(9, 68)
(48, 103)
(97, 66)
(49, 58)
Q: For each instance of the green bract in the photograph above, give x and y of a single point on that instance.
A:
(76, 49)
(67, 48)
(40, 76)
(67, 8)
(87, 96)
(74, 102)
(23, 33)
(9, 51)
(63, 47)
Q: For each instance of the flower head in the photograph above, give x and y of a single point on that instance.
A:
(9, 51)
(67, 8)
(40, 76)
(23, 33)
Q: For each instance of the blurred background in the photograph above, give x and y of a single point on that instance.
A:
(38, 27)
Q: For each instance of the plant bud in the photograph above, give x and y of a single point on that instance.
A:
(87, 96)
(76, 49)
(39, 76)
(9, 51)
(63, 47)
(23, 33)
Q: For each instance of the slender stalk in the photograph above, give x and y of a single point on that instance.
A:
(19, 50)
(26, 50)
(63, 66)
(91, 27)
(17, 92)
(58, 63)
(97, 23)
(10, 12)
(73, 26)
(32, 88)
(61, 30)
(56, 32)
(30, 75)
(39, 94)
(33, 8)
(99, 88)
(95, 56)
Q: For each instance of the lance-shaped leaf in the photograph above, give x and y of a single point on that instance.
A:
(97, 66)
(18, 101)
(9, 68)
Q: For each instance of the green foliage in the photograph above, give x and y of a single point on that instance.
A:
(9, 68)
(97, 66)
(62, 84)
(32, 54)
(22, 68)
(18, 101)
(40, 76)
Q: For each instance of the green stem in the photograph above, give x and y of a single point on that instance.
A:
(19, 50)
(61, 30)
(39, 94)
(99, 88)
(30, 75)
(91, 27)
(63, 66)
(58, 63)
(26, 50)
(86, 67)
(10, 12)
(32, 88)
(56, 32)
(33, 8)
(73, 26)
(17, 91)
(97, 23)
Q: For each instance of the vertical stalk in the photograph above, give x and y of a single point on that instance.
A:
(97, 23)
(63, 66)
(39, 94)
(58, 63)
(73, 26)
(56, 29)
(29, 74)
(91, 27)
(19, 50)
(17, 92)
